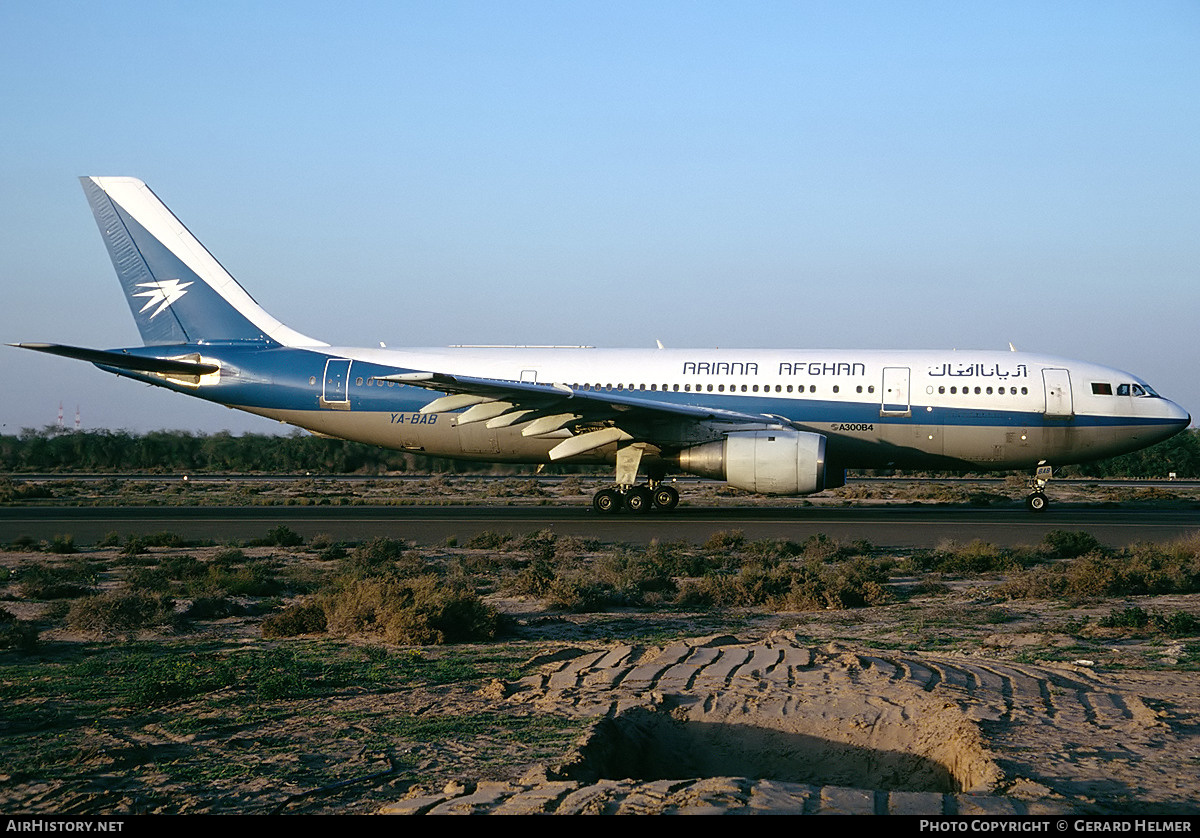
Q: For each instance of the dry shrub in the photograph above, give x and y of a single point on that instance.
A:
(976, 557)
(725, 540)
(1143, 569)
(813, 585)
(301, 618)
(121, 612)
(418, 611)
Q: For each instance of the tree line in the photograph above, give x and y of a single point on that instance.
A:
(55, 450)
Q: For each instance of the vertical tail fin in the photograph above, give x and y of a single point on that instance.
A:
(177, 291)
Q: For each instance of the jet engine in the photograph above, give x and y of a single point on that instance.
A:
(773, 462)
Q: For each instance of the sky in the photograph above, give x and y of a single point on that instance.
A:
(915, 175)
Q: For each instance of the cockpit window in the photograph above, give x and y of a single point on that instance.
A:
(1138, 391)
(1122, 389)
(1141, 390)
(1101, 388)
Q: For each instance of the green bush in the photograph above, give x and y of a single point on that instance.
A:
(1179, 624)
(213, 608)
(63, 545)
(280, 536)
(18, 635)
(582, 595)
(67, 580)
(375, 557)
(1126, 618)
(1063, 544)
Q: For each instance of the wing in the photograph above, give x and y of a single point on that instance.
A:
(595, 417)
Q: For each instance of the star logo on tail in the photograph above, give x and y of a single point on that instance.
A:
(161, 293)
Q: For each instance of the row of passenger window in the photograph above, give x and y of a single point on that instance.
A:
(715, 388)
(780, 388)
(980, 391)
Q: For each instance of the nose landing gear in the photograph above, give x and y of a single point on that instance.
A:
(1037, 500)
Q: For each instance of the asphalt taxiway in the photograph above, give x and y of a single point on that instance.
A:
(888, 526)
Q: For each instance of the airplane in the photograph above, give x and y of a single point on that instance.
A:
(770, 421)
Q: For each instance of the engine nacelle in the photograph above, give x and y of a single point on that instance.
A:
(778, 462)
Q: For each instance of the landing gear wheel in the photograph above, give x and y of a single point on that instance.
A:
(639, 500)
(1037, 502)
(607, 501)
(666, 498)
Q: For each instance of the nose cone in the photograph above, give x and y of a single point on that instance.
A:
(1176, 415)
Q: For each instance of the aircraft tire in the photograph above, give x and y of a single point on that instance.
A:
(1037, 502)
(639, 500)
(607, 501)
(666, 498)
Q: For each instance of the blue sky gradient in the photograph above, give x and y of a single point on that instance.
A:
(804, 174)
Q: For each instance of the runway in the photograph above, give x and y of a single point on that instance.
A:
(890, 526)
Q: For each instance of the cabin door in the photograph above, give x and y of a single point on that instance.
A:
(895, 392)
(1059, 404)
(336, 392)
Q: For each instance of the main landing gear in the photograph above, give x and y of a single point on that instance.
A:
(636, 499)
(1037, 500)
(627, 494)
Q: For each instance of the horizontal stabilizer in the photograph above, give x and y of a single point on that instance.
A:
(122, 360)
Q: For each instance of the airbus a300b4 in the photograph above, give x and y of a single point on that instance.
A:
(772, 421)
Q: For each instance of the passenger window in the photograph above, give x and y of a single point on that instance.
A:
(835, 388)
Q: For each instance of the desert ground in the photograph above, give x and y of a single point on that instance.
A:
(145, 676)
